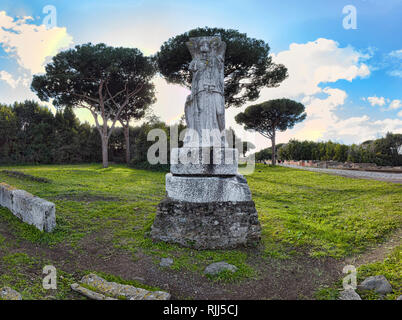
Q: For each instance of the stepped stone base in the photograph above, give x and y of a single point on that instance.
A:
(210, 225)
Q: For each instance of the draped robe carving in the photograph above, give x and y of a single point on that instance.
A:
(205, 106)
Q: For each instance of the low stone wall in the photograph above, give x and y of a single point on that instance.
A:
(28, 208)
(342, 165)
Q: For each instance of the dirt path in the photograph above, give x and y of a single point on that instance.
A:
(378, 252)
(294, 278)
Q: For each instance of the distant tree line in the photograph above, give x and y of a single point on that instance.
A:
(266, 154)
(31, 134)
(383, 152)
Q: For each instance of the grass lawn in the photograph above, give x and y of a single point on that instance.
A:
(303, 214)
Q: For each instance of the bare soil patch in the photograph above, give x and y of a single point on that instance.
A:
(377, 252)
(21, 175)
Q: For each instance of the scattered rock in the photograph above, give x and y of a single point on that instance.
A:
(218, 267)
(117, 290)
(399, 298)
(7, 293)
(349, 294)
(166, 262)
(379, 284)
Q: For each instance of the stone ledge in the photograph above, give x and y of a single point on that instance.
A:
(28, 208)
(211, 225)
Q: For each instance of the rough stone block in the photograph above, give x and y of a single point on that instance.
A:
(28, 208)
(349, 294)
(211, 225)
(204, 161)
(6, 195)
(207, 189)
(378, 283)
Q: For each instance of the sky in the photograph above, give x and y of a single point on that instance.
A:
(344, 57)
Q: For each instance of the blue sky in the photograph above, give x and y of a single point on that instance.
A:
(349, 79)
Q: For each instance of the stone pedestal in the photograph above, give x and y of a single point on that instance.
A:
(208, 225)
(208, 204)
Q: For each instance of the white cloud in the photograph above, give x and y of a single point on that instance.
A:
(376, 101)
(395, 59)
(396, 54)
(399, 114)
(395, 104)
(396, 73)
(29, 44)
(310, 65)
(7, 77)
(317, 62)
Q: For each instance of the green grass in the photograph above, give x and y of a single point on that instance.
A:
(329, 215)
(300, 212)
(24, 274)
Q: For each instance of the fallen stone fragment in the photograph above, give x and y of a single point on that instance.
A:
(89, 293)
(379, 284)
(7, 293)
(118, 290)
(218, 267)
(399, 298)
(349, 294)
(166, 262)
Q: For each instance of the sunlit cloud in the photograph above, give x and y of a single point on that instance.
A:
(29, 44)
(395, 104)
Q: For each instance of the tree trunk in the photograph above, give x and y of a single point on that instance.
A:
(126, 130)
(273, 149)
(105, 156)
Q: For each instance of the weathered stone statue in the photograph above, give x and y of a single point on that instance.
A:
(208, 204)
(205, 106)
